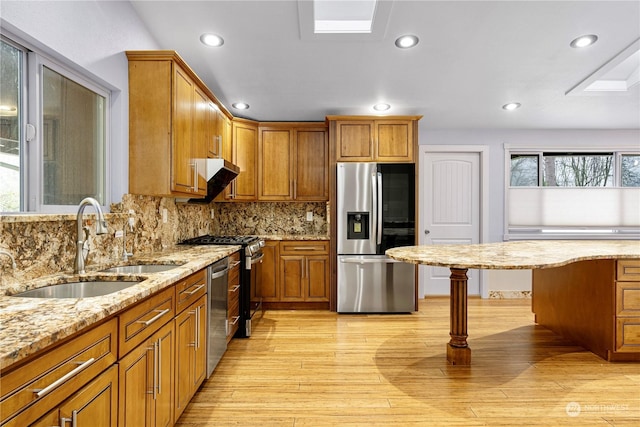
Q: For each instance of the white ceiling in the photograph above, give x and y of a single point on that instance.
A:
(472, 58)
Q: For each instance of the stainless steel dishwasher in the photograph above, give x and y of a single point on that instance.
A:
(217, 278)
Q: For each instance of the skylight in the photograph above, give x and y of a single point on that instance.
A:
(343, 17)
(619, 75)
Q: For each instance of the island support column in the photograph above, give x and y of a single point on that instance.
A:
(458, 351)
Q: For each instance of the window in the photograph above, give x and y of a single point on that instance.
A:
(54, 134)
(11, 60)
(560, 194)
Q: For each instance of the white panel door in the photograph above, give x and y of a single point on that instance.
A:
(450, 212)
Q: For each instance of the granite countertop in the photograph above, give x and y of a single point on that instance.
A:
(517, 254)
(295, 237)
(28, 325)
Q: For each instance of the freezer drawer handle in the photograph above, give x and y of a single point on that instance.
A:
(369, 261)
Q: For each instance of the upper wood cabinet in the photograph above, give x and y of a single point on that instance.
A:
(244, 155)
(293, 162)
(372, 139)
(172, 128)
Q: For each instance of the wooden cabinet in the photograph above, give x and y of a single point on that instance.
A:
(96, 405)
(295, 274)
(146, 382)
(627, 306)
(168, 126)
(370, 139)
(244, 155)
(268, 287)
(42, 384)
(304, 271)
(233, 296)
(293, 162)
(190, 353)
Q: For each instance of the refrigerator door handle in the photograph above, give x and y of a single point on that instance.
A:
(379, 210)
(374, 208)
(370, 261)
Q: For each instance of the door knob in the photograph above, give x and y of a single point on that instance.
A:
(426, 232)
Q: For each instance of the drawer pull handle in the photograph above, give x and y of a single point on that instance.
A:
(234, 264)
(235, 288)
(196, 289)
(236, 318)
(64, 378)
(156, 317)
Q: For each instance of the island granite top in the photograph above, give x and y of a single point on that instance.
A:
(515, 255)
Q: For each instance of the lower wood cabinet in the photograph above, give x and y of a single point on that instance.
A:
(138, 369)
(233, 296)
(295, 274)
(95, 405)
(190, 353)
(146, 382)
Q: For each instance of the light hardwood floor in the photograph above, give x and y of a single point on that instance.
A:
(316, 368)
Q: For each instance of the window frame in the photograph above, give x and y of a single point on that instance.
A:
(31, 160)
(572, 232)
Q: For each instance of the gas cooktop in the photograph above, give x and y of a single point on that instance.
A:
(220, 240)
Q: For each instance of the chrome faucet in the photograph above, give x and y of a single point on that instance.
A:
(13, 260)
(101, 228)
(125, 254)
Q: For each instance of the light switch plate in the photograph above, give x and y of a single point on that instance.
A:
(310, 216)
(165, 216)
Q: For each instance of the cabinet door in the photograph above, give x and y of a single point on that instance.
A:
(394, 140)
(145, 381)
(190, 353)
(275, 155)
(200, 142)
(354, 141)
(96, 405)
(268, 286)
(311, 165)
(182, 173)
(214, 127)
(245, 144)
(317, 283)
(292, 274)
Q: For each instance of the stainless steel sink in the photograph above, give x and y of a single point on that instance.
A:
(139, 269)
(93, 288)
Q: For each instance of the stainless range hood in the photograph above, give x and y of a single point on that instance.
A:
(220, 173)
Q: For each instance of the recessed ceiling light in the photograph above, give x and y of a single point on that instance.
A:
(212, 40)
(240, 105)
(584, 41)
(511, 106)
(381, 107)
(407, 41)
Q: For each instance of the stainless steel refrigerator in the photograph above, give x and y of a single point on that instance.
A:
(375, 212)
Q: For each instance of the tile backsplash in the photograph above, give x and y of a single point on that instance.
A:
(45, 244)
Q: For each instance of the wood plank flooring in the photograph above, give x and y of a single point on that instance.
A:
(317, 368)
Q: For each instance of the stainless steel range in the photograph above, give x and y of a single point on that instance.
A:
(250, 269)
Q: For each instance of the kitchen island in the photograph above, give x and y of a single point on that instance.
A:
(587, 291)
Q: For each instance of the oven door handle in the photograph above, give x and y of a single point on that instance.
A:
(255, 260)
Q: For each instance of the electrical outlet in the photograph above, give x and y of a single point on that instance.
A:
(310, 216)
(165, 216)
(212, 213)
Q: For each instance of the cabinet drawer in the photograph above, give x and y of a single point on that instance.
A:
(190, 289)
(304, 247)
(628, 298)
(234, 269)
(143, 319)
(35, 388)
(628, 334)
(629, 270)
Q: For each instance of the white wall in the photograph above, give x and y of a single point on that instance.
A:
(92, 36)
(495, 140)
